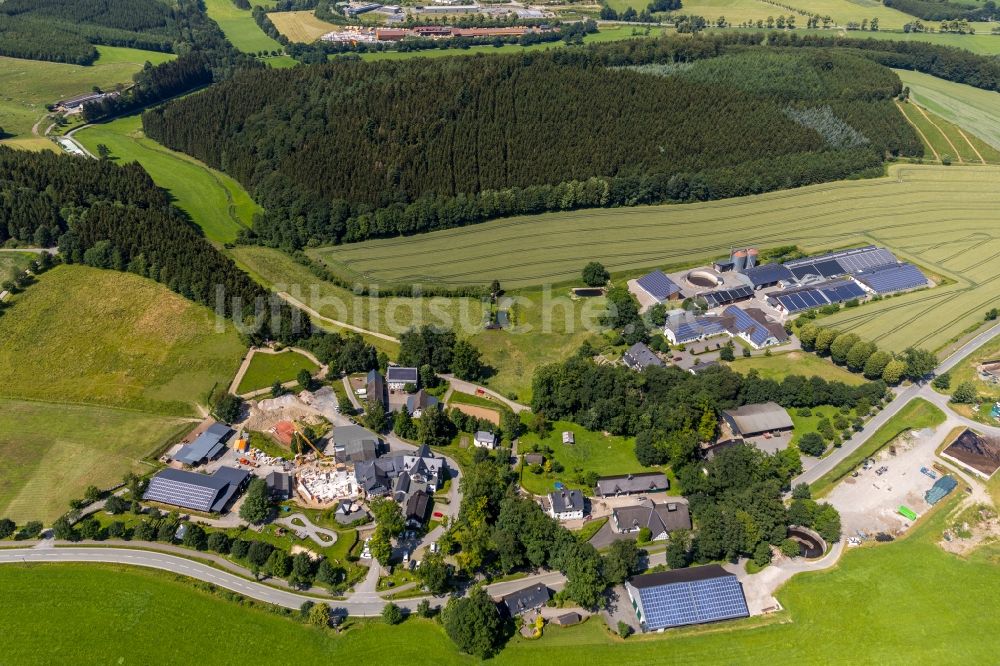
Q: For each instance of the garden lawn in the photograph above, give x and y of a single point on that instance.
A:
(49, 453)
(26, 86)
(853, 612)
(918, 414)
(83, 335)
(11, 262)
(592, 452)
(778, 366)
(215, 202)
(265, 369)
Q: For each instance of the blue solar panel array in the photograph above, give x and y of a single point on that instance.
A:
(703, 327)
(658, 285)
(824, 294)
(842, 262)
(694, 602)
(767, 274)
(890, 279)
(726, 296)
(743, 322)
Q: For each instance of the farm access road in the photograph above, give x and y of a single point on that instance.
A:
(903, 398)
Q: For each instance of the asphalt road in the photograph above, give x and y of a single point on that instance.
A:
(192, 569)
(903, 398)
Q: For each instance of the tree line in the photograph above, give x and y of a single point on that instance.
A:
(344, 168)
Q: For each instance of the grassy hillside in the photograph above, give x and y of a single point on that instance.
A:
(855, 607)
(975, 110)
(239, 26)
(941, 217)
(216, 202)
(265, 369)
(26, 86)
(49, 453)
(301, 26)
(779, 366)
(14, 261)
(947, 142)
(86, 336)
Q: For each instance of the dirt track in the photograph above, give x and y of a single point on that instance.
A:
(491, 415)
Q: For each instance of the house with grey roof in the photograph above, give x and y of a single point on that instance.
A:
(417, 509)
(354, 444)
(375, 387)
(526, 599)
(639, 357)
(401, 475)
(632, 484)
(420, 401)
(279, 485)
(659, 518)
(397, 377)
(566, 504)
(485, 439)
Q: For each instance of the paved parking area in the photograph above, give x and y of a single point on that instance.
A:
(869, 501)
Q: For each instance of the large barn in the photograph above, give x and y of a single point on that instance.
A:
(756, 420)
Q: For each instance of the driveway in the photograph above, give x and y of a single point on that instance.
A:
(301, 525)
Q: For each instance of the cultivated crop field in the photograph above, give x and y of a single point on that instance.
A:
(976, 110)
(216, 202)
(945, 142)
(943, 218)
(87, 336)
(301, 26)
(26, 86)
(738, 11)
(49, 453)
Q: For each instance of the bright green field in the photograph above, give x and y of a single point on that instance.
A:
(916, 415)
(966, 371)
(947, 141)
(941, 217)
(26, 86)
(858, 612)
(265, 369)
(592, 451)
(49, 453)
(239, 26)
(975, 110)
(87, 336)
(739, 11)
(779, 366)
(216, 202)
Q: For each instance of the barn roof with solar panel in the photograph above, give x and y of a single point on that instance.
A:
(683, 597)
(197, 492)
(826, 293)
(659, 286)
(891, 279)
(841, 262)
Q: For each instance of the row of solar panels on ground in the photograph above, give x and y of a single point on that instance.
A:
(804, 299)
(727, 296)
(890, 279)
(694, 602)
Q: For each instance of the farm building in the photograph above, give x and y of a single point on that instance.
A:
(398, 377)
(753, 326)
(795, 300)
(659, 287)
(485, 439)
(640, 357)
(685, 328)
(891, 279)
(661, 519)
(567, 619)
(566, 504)
(207, 446)
(739, 260)
(526, 599)
(197, 492)
(766, 275)
(420, 401)
(534, 459)
(977, 452)
(756, 420)
(721, 297)
(632, 484)
(841, 262)
(686, 596)
(354, 444)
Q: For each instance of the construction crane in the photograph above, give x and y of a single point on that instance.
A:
(298, 431)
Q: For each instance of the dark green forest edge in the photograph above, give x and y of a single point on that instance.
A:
(479, 138)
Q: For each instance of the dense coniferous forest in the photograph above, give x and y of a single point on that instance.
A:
(116, 217)
(942, 10)
(353, 150)
(65, 30)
